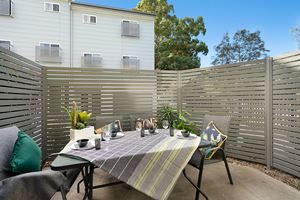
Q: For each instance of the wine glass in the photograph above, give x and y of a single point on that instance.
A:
(165, 124)
(107, 136)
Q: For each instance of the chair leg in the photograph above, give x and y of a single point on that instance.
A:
(63, 193)
(78, 185)
(199, 177)
(227, 167)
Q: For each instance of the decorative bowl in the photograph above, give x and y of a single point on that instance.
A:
(185, 133)
(82, 142)
(114, 133)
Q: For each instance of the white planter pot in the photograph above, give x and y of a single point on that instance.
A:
(86, 133)
(177, 132)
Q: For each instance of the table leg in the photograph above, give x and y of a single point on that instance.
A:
(86, 182)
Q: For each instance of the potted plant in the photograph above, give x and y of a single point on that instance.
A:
(79, 123)
(151, 124)
(170, 114)
(183, 126)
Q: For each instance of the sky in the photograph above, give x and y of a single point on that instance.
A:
(273, 18)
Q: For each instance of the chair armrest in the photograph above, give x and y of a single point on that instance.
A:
(26, 185)
(47, 159)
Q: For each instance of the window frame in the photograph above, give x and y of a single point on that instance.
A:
(10, 14)
(10, 43)
(50, 45)
(131, 22)
(52, 4)
(131, 56)
(89, 19)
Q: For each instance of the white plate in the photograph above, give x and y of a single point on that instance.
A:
(192, 136)
(89, 145)
(119, 135)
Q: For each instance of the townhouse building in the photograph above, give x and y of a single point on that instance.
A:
(64, 33)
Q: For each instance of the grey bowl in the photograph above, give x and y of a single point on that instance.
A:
(185, 133)
(82, 142)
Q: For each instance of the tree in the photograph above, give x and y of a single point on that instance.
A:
(296, 33)
(176, 40)
(223, 50)
(246, 46)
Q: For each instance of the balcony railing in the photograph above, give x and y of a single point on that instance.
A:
(48, 54)
(91, 61)
(6, 7)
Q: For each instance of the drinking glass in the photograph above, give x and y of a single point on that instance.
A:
(165, 124)
(107, 136)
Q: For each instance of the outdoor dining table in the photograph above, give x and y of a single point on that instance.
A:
(150, 164)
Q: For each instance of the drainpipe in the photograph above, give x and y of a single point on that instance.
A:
(71, 34)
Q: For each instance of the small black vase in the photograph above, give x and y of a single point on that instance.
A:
(171, 131)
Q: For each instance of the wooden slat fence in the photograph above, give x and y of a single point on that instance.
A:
(21, 94)
(262, 97)
(237, 90)
(103, 92)
(286, 113)
(167, 88)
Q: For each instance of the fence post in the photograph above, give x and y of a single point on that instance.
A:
(269, 111)
(44, 113)
(179, 94)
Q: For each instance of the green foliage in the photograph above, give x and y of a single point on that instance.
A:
(296, 33)
(167, 113)
(176, 119)
(224, 54)
(176, 40)
(246, 46)
(182, 123)
(78, 119)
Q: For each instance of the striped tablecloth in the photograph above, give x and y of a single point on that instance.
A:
(150, 164)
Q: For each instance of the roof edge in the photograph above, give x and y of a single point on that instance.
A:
(112, 8)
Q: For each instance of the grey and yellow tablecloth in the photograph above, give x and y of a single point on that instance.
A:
(150, 164)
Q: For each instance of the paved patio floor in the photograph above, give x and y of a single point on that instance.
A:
(249, 184)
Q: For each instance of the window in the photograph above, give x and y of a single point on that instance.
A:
(91, 60)
(51, 7)
(6, 7)
(5, 44)
(48, 52)
(130, 28)
(89, 19)
(130, 62)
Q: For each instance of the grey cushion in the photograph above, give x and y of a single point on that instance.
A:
(221, 122)
(8, 138)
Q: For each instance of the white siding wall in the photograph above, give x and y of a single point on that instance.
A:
(31, 25)
(105, 37)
